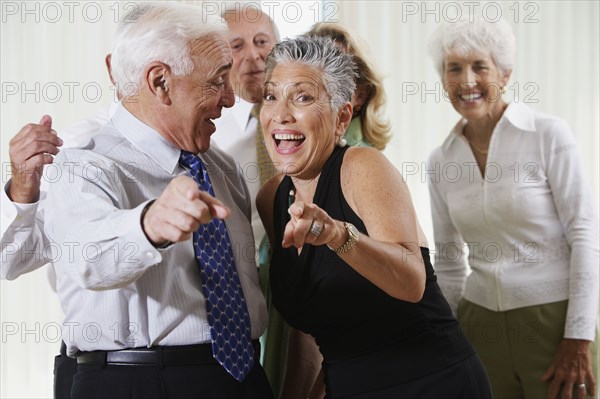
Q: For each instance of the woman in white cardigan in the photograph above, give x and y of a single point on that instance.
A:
(511, 203)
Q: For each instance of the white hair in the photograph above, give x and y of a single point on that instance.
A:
(159, 32)
(474, 36)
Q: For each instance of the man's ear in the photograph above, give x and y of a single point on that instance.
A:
(343, 119)
(158, 75)
(107, 61)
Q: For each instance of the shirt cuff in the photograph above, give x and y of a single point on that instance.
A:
(151, 254)
(14, 213)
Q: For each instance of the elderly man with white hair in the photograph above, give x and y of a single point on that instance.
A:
(159, 300)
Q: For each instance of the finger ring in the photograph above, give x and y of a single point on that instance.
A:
(581, 386)
(316, 229)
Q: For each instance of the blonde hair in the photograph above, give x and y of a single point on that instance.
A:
(376, 127)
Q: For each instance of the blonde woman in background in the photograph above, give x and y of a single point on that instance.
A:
(368, 127)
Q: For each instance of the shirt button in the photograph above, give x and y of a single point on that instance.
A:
(150, 255)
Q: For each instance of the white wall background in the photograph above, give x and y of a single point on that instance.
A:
(556, 71)
(51, 61)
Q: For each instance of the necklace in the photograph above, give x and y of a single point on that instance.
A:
(479, 150)
(475, 147)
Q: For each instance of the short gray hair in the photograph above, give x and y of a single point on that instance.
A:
(159, 32)
(474, 35)
(337, 68)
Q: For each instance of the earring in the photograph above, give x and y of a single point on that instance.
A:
(502, 90)
(341, 141)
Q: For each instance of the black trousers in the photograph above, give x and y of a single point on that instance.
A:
(64, 369)
(156, 381)
(465, 380)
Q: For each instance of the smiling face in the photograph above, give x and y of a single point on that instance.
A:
(251, 37)
(197, 99)
(474, 84)
(299, 126)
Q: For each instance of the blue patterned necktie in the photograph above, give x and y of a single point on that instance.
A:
(225, 304)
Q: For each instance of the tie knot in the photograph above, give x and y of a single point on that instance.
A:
(190, 160)
(196, 170)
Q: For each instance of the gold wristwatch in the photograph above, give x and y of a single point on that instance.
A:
(352, 239)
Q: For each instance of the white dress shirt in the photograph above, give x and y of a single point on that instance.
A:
(236, 135)
(116, 289)
(531, 226)
(24, 244)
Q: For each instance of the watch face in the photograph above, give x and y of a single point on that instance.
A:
(352, 230)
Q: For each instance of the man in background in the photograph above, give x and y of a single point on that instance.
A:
(252, 35)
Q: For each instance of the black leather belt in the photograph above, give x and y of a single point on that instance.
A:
(159, 355)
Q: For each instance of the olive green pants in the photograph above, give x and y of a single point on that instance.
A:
(517, 346)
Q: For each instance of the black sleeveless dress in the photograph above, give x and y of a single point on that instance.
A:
(373, 344)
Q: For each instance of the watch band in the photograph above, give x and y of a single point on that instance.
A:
(352, 239)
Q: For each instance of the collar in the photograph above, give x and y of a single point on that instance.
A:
(455, 134)
(354, 134)
(146, 139)
(241, 111)
(519, 115)
(114, 105)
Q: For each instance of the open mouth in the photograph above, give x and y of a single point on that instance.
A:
(211, 118)
(288, 142)
(210, 122)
